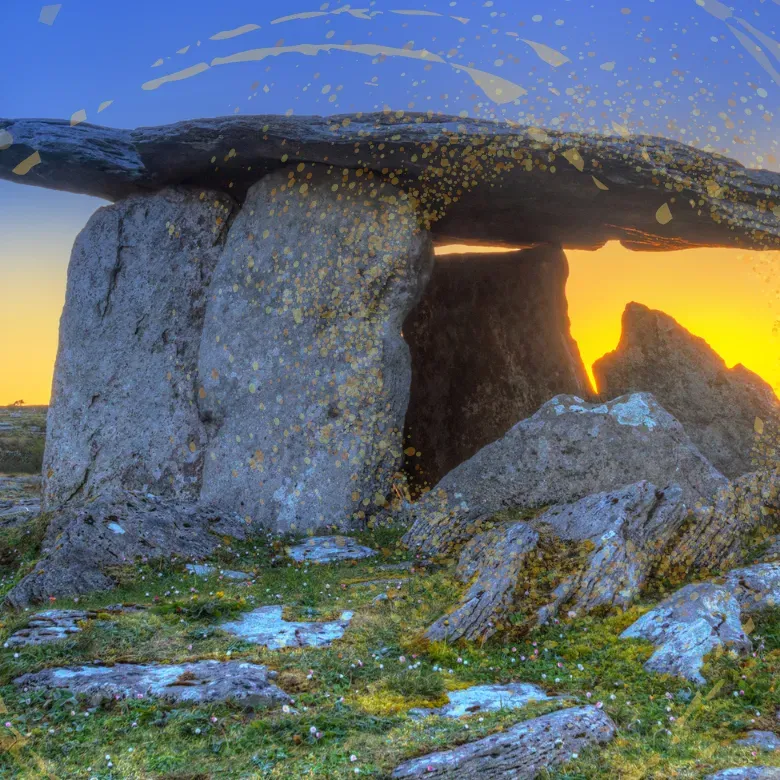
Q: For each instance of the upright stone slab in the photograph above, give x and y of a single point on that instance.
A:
(490, 343)
(304, 374)
(123, 413)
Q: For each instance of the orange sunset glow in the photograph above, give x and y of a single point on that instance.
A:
(715, 293)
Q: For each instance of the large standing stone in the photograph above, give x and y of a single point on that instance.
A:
(569, 449)
(687, 626)
(123, 413)
(716, 405)
(522, 752)
(490, 343)
(304, 374)
(602, 547)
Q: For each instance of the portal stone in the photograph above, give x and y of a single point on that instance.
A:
(304, 375)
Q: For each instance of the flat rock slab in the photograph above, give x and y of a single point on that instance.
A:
(747, 773)
(199, 682)
(687, 626)
(266, 626)
(207, 570)
(485, 698)
(636, 174)
(763, 740)
(522, 752)
(329, 549)
(756, 588)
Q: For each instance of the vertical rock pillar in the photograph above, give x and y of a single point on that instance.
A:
(304, 375)
(123, 413)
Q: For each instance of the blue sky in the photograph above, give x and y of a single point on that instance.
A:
(700, 71)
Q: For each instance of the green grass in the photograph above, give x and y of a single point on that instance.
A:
(351, 698)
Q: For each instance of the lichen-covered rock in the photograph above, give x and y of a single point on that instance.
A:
(607, 544)
(207, 570)
(756, 588)
(568, 449)
(329, 549)
(687, 626)
(200, 682)
(304, 376)
(123, 412)
(485, 698)
(85, 541)
(522, 752)
(747, 773)
(266, 626)
(763, 740)
(716, 405)
(49, 626)
(490, 343)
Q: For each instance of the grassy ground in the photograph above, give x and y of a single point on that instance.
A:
(21, 448)
(350, 699)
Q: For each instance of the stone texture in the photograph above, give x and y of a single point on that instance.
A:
(485, 698)
(206, 570)
(123, 412)
(688, 625)
(490, 343)
(605, 545)
(522, 752)
(84, 542)
(510, 202)
(266, 626)
(200, 682)
(756, 588)
(49, 626)
(763, 740)
(20, 499)
(747, 773)
(716, 405)
(329, 549)
(304, 374)
(568, 449)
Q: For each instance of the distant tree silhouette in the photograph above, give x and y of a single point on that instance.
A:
(20, 402)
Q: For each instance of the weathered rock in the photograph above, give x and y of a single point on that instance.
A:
(49, 626)
(304, 373)
(756, 588)
(763, 740)
(568, 449)
(687, 626)
(329, 549)
(199, 682)
(266, 626)
(490, 343)
(206, 570)
(747, 773)
(123, 413)
(606, 544)
(485, 698)
(20, 499)
(85, 541)
(522, 752)
(510, 202)
(747, 509)
(716, 405)
(772, 551)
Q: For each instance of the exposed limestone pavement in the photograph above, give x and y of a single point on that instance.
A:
(485, 698)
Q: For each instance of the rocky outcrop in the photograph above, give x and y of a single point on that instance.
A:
(523, 751)
(479, 699)
(329, 549)
(567, 450)
(687, 626)
(477, 180)
(86, 542)
(123, 414)
(602, 547)
(763, 740)
(716, 405)
(747, 773)
(756, 588)
(304, 377)
(490, 343)
(200, 682)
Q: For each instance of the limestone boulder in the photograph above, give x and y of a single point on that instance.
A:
(602, 547)
(687, 626)
(86, 542)
(717, 406)
(303, 373)
(568, 450)
(123, 413)
(747, 773)
(524, 751)
(490, 343)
